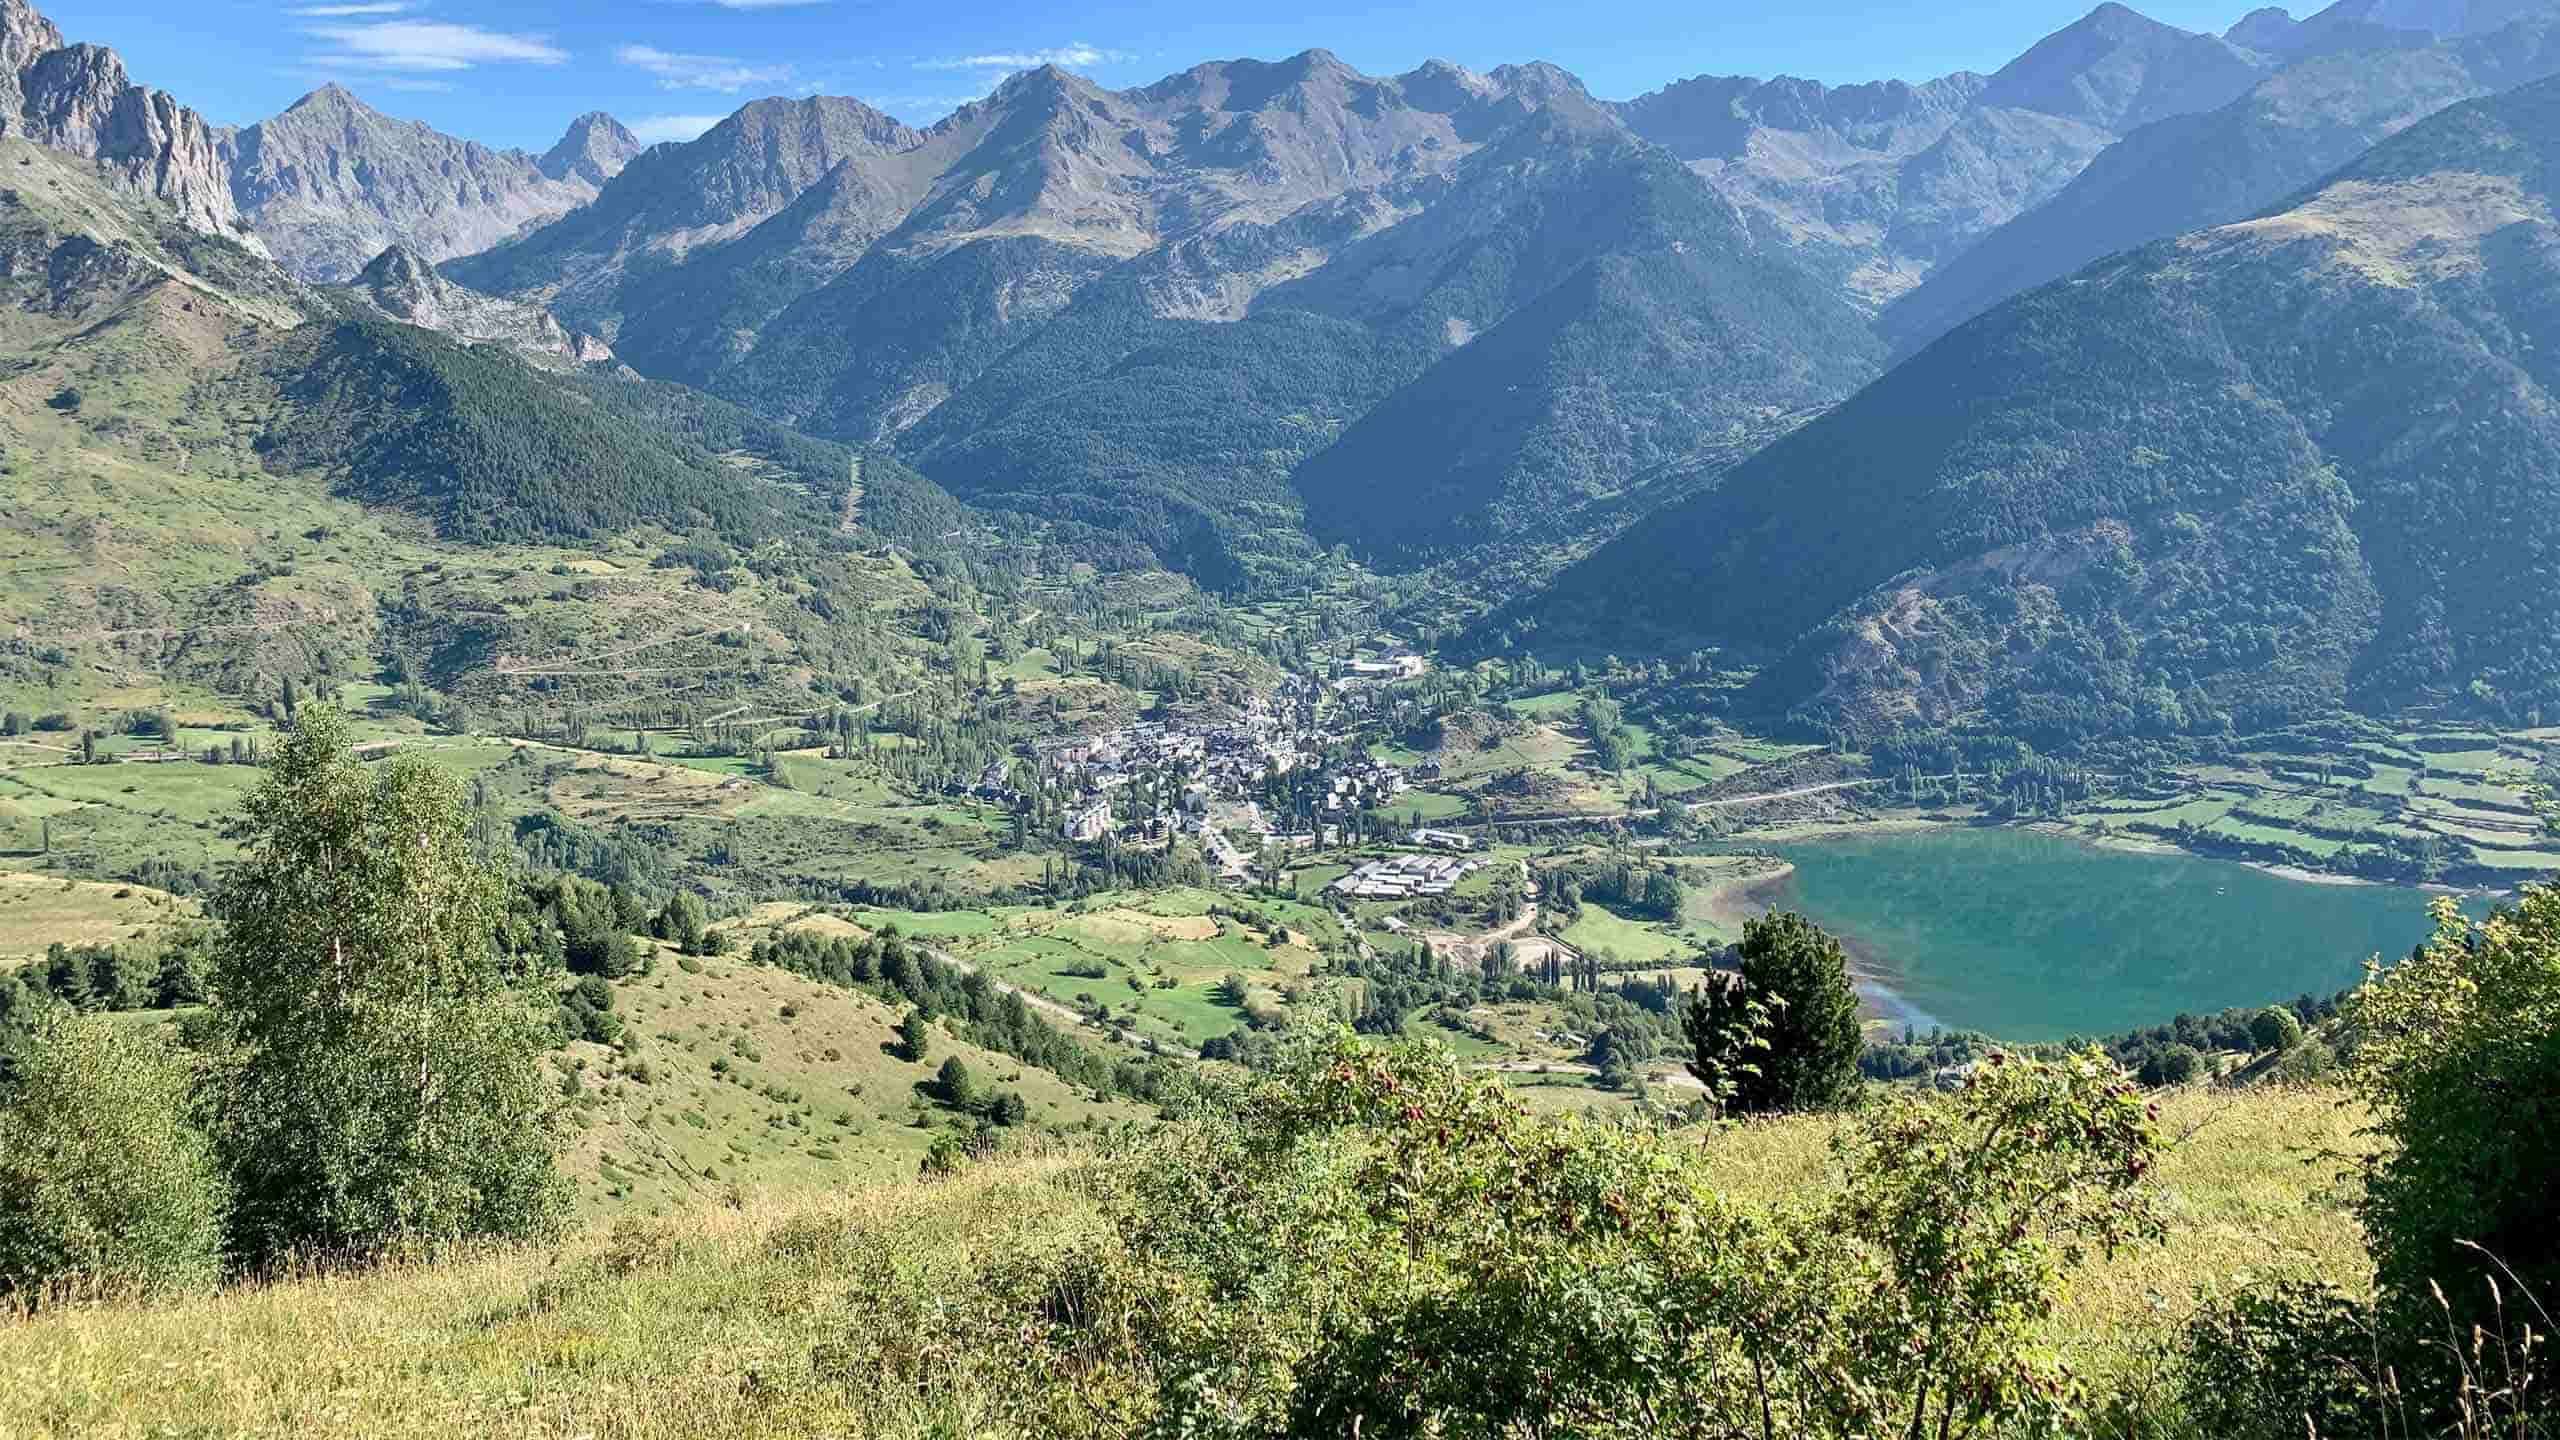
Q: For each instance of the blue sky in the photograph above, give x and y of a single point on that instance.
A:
(513, 72)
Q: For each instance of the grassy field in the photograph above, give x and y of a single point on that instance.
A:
(39, 910)
(1422, 807)
(2462, 788)
(1151, 963)
(754, 1078)
(2252, 1183)
(706, 1322)
(1600, 929)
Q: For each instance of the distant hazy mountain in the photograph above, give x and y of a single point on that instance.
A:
(1879, 183)
(2245, 474)
(2448, 19)
(2119, 70)
(2196, 170)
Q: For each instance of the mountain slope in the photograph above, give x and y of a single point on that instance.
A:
(1642, 324)
(1603, 301)
(222, 477)
(331, 183)
(676, 197)
(2212, 168)
(2256, 472)
(2119, 70)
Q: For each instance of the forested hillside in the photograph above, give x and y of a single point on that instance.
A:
(2293, 463)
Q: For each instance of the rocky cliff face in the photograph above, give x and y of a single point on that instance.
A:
(78, 98)
(331, 183)
(325, 187)
(404, 285)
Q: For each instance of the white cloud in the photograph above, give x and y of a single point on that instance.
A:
(702, 72)
(367, 7)
(1075, 56)
(429, 45)
(651, 129)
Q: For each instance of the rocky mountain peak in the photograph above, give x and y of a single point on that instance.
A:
(78, 98)
(332, 182)
(25, 34)
(2445, 18)
(1050, 76)
(1444, 85)
(1539, 83)
(792, 133)
(1046, 86)
(399, 267)
(595, 149)
(402, 284)
(330, 97)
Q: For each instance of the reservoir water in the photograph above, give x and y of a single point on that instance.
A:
(2031, 936)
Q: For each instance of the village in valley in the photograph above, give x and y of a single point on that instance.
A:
(1280, 774)
(1288, 792)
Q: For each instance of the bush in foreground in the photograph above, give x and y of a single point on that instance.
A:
(106, 1183)
(2457, 1049)
(1374, 1242)
(2456, 1052)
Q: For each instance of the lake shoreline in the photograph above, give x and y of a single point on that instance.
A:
(2034, 932)
(1732, 903)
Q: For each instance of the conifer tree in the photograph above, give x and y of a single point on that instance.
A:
(1784, 1034)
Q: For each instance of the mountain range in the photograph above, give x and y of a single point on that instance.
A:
(2237, 478)
(332, 183)
(1798, 372)
(1216, 309)
(324, 187)
(2348, 85)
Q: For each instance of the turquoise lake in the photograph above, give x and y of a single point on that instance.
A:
(2036, 937)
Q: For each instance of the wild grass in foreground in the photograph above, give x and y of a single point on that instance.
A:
(722, 1322)
(754, 1319)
